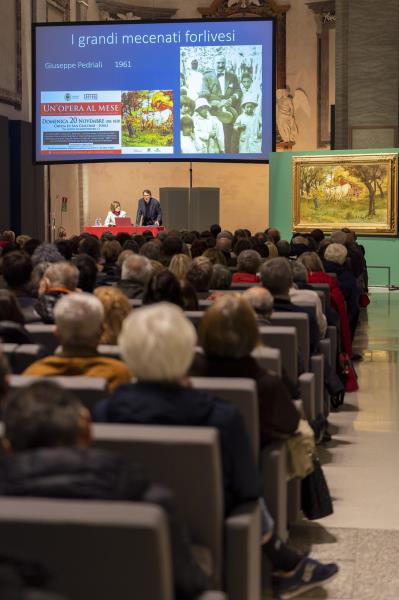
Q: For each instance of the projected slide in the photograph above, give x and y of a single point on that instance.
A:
(180, 90)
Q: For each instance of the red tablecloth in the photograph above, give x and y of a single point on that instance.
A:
(99, 231)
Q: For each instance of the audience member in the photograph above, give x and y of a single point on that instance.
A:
(179, 265)
(276, 276)
(163, 287)
(46, 253)
(316, 274)
(17, 271)
(58, 280)
(198, 247)
(243, 243)
(131, 245)
(262, 303)
(215, 230)
(171, 245)
(190, 300)
(248, 263)
(151, 250)
(228, 333)
(31, 245)
(136, 272)
(65, 248)
(160, 342)
(272, 250)
(334, 262)
(116, 308)
(215, 256)
(283, 248)
(48, 431)
(299, 244)
(79, 325)
(273, 234)
(87, 267)
(221, 278)
(223, 244)
(199, 275)
(302, 294)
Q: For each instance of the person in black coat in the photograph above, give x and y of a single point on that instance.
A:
(47, 439)
(158, 342)
(276, 276)
(334, 262)
(149, 210)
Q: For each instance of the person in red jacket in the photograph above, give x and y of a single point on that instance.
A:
(248, 264)
(316, 274)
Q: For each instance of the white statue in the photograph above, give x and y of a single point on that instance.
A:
(287, 106)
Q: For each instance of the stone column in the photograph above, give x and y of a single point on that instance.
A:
(367, 73)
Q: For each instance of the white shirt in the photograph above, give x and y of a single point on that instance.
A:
(110, 218)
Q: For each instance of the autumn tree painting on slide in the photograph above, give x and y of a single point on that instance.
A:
(354, 190)
(147, 118)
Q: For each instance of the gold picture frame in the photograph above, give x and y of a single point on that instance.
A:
(359, 191)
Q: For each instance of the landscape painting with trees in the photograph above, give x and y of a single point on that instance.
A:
(358, 191)
(147, 119)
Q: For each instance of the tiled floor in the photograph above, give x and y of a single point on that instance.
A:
(361, 466)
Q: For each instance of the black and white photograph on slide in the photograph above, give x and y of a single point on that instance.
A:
(221, 99)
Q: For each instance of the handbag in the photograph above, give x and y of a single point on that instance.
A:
(348, 372)
(316, 501)
(300, 448)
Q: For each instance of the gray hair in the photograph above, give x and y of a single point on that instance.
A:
(248, 261)
(79, 318)
(338, 237)
(336, 253)
(137, 268)
(46, 253)
(260, 299)
(62, 274)
(299, 271)
(157, 342)
(200, 273)
(276, 275)
(221, 278)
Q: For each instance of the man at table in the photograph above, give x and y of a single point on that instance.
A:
(149, 210)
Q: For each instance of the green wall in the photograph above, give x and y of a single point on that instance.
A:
(382, 251)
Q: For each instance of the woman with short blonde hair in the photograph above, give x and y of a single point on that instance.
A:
(116, 309)
(115, 211)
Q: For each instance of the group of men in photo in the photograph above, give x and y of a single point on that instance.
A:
(219, 113)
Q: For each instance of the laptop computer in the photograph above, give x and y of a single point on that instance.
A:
(123, 222)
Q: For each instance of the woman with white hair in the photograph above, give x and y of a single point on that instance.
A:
(335, 262)
(158, 343)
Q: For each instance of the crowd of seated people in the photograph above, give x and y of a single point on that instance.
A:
(92, 289)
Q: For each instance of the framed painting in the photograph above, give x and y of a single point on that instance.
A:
(359, 191)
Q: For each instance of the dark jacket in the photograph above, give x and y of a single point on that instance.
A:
(160, 404)
(285, 305)
(277, 413)
(148, 214)
(44, 306)
(93, 474)
(131, 288)
(349, 289)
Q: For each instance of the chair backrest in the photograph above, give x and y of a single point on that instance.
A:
(241, 392)
(203, 303)
(268, 358)
(43, 333)
(187, 461)
(92, 549)
(194, 316)
(286, 340)
(241, 285)
(324, 288)
(88, 389)
(135, 302)
(110, 350)
(20, 356)
(300, 321)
